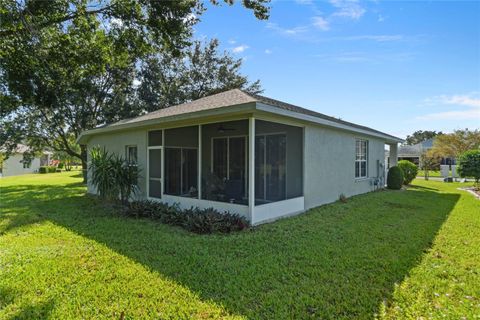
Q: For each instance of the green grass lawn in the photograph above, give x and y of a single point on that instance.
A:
(431, 173)
(388, 254)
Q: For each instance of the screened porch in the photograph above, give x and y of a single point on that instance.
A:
(208, 165)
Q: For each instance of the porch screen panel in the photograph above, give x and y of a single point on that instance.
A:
(220, 158)
(275, 175)
(224, 161)
(260, 167)
(237, 158)
(181, 161)
(155, 138)
(173, 158)
(189, 172)
(155, 173)
(278, 162)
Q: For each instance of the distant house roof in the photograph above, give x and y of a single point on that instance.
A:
(415, 150)
(21, 149)
(227, 99)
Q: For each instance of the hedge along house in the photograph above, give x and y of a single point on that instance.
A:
(247, 154)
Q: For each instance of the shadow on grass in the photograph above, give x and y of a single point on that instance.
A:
(422, 188)
(337, 261)
(39, 310)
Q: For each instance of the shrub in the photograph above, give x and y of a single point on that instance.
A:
(112, 175)
(395, 178)
(194, 219)
(469, 164)
(47, 169)
(409, 170)
(60, 165)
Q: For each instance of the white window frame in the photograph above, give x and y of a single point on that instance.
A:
(359, 160)
(127, 154)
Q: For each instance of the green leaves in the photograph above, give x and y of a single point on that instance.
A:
(69, 65)
(469, 164)
(112, 176)
(409, 169)
(168, 79)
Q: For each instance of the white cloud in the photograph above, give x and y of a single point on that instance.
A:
(240, 48)
(471, 101)
(380, 18)
(463, 100)
(358, 56)
(286, 31)
(348, 9)
(268, 51)
(321, 23)
(232, 41)
(304, 1)
(452, 115)
(377, 38)
(468, 100)
(344, 57)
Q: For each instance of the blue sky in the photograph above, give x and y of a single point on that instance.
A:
(395, 66)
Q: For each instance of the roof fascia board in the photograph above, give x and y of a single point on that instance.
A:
(304, 117)
(218, 112)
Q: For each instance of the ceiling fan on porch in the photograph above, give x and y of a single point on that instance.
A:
(222, 129)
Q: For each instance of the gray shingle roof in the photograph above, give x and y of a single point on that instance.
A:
(219, 100)
(230, 98)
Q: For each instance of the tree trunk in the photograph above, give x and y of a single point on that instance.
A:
(83, 152)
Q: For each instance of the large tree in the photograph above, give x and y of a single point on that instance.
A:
(201, 70)
(456, 143)
(420, 136)
(69, 65)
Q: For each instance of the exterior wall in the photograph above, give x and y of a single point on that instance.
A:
(330, 165)
(116, 143)
(14, 167)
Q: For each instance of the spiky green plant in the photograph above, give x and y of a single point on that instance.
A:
(113, 177)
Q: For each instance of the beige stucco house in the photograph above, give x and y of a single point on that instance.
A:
(247, 154)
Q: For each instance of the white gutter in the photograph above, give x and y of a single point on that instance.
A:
(324, 122)
(246, 107)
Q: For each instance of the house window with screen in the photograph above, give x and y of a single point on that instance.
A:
(361, 158)
(131, 155)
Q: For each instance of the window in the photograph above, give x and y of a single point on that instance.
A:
(131, 155)
(361, 158)
(181, 177)
(270, 167)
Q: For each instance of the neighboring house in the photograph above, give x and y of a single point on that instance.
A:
(247, 154)
(17, 163)
(413, 153)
